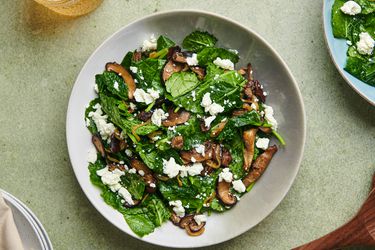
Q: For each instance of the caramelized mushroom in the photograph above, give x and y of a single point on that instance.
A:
(135, 203)
(192, 233)
(138, 165)
(175, 219)
(249, 140)
(98, 143)
(177, 142)
(172, 51)
(201, 73)
(260, 165)
(223, 193)
(128, 79)
(265, 130)
(179, 57)
(194, 227)
(249, 72)
(241, 71)
(226, 157)
(144, 115)
(187, 155)
(176, 118)
(150, 183)
(257, 89)
(137, 56)
(216, 157)
(218, 128)
(170, 68)
(116, 145)
(185, 221)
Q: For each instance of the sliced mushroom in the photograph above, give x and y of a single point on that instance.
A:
(170, 68)
(135, 203)
(175, 219)
(203, 126)
(248, 153)
(249, 72)
(187, 155)
(194, 227)
(226, 158)
(185, 221)
(150, 183)
(215, 162)
(121, 71)
(172, 51)
(224, 194)
(201, 73)
(266, 130)
(98, 143)
(241, 71)
(177, 142)
(176, 118)
(116, 145)
(218, 128)
(192, 233)
(179, 57)
(260, 165)
(138, 165)
(257, 89)
(206, 170)
(239, 112)
(144, 115)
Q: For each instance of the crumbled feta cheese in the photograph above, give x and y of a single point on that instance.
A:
(124, 193)
(268, 114)
(200, 218)
(132, 106)
(133, 69)
(173, 128)
(224, 63)
(128, 152)
(158, 116)
(152, 185)
(105, 128)
(110, 178)
(349, 42)
(262, 143)
(200, 149)
(193, 159)
(141, 96)
(121, 162)
(171, 168)
(193, 60)
(366, 44)
(209, 106)
(88, 122)
(132, 171)
(96, 88)
(195, 169)
(351, 8)
(92, 156)
(141, 172)
(265, 93)
(208, 120)
(115, 85)
(253, 106)
(226, 175)
(149, 44)
(239, 186)
(178, 208)
(193, 95)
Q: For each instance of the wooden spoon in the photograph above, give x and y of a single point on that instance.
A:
(359, 231)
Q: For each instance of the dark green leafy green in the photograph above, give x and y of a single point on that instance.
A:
(180, 83)
(127, 61)
(198, 40)
(110, 81)
(164, 42)
(148, 74)
(362, 67)
(134, 184)
(208, 55)
(249, 118)
(91, 124)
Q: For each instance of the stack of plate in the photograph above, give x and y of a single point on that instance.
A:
(31, 231)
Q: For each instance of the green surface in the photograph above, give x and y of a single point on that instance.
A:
(42, 53)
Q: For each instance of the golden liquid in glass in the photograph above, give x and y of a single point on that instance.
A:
(71, 7)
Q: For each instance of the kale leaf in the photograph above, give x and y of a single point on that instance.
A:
(110, 81)
(134, 184)
(164, 42)
(180, 83)
(208, 55)
(198, 40)
(91, 125)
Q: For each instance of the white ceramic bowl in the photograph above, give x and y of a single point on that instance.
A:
(269, 68)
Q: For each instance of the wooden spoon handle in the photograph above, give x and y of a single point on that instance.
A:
(353, 233)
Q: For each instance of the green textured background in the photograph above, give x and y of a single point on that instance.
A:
(41, 54)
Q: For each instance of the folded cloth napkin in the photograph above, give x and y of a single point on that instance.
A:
(9, 236)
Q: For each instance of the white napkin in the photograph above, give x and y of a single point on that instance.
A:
(9, 236)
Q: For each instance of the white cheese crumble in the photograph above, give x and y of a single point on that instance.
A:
(268, 114)
(208, 120)
(141, 172)
(158, 116)
(193, 95)
(152, 185)
(193, 159)
(106, 129)
(96, 88)
(147, 97)
(178, 208)
(133, 69)
(193, 60)
(132, 106)
(200, 218)
(88, 122)
(128, 152)
(351, 8)
(226, 175)
(132, 171)
(124, 193)
(200, 149)
(224, 63)
(366, 44)
(171, 168)
(195, 169)
(111, 178)
(149, 44)
(92, 155)
(209, 106)
(115, 85)
(239, 186)
(262, 143)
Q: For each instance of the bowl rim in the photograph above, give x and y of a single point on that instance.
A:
(338, 67)
(277, 57)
